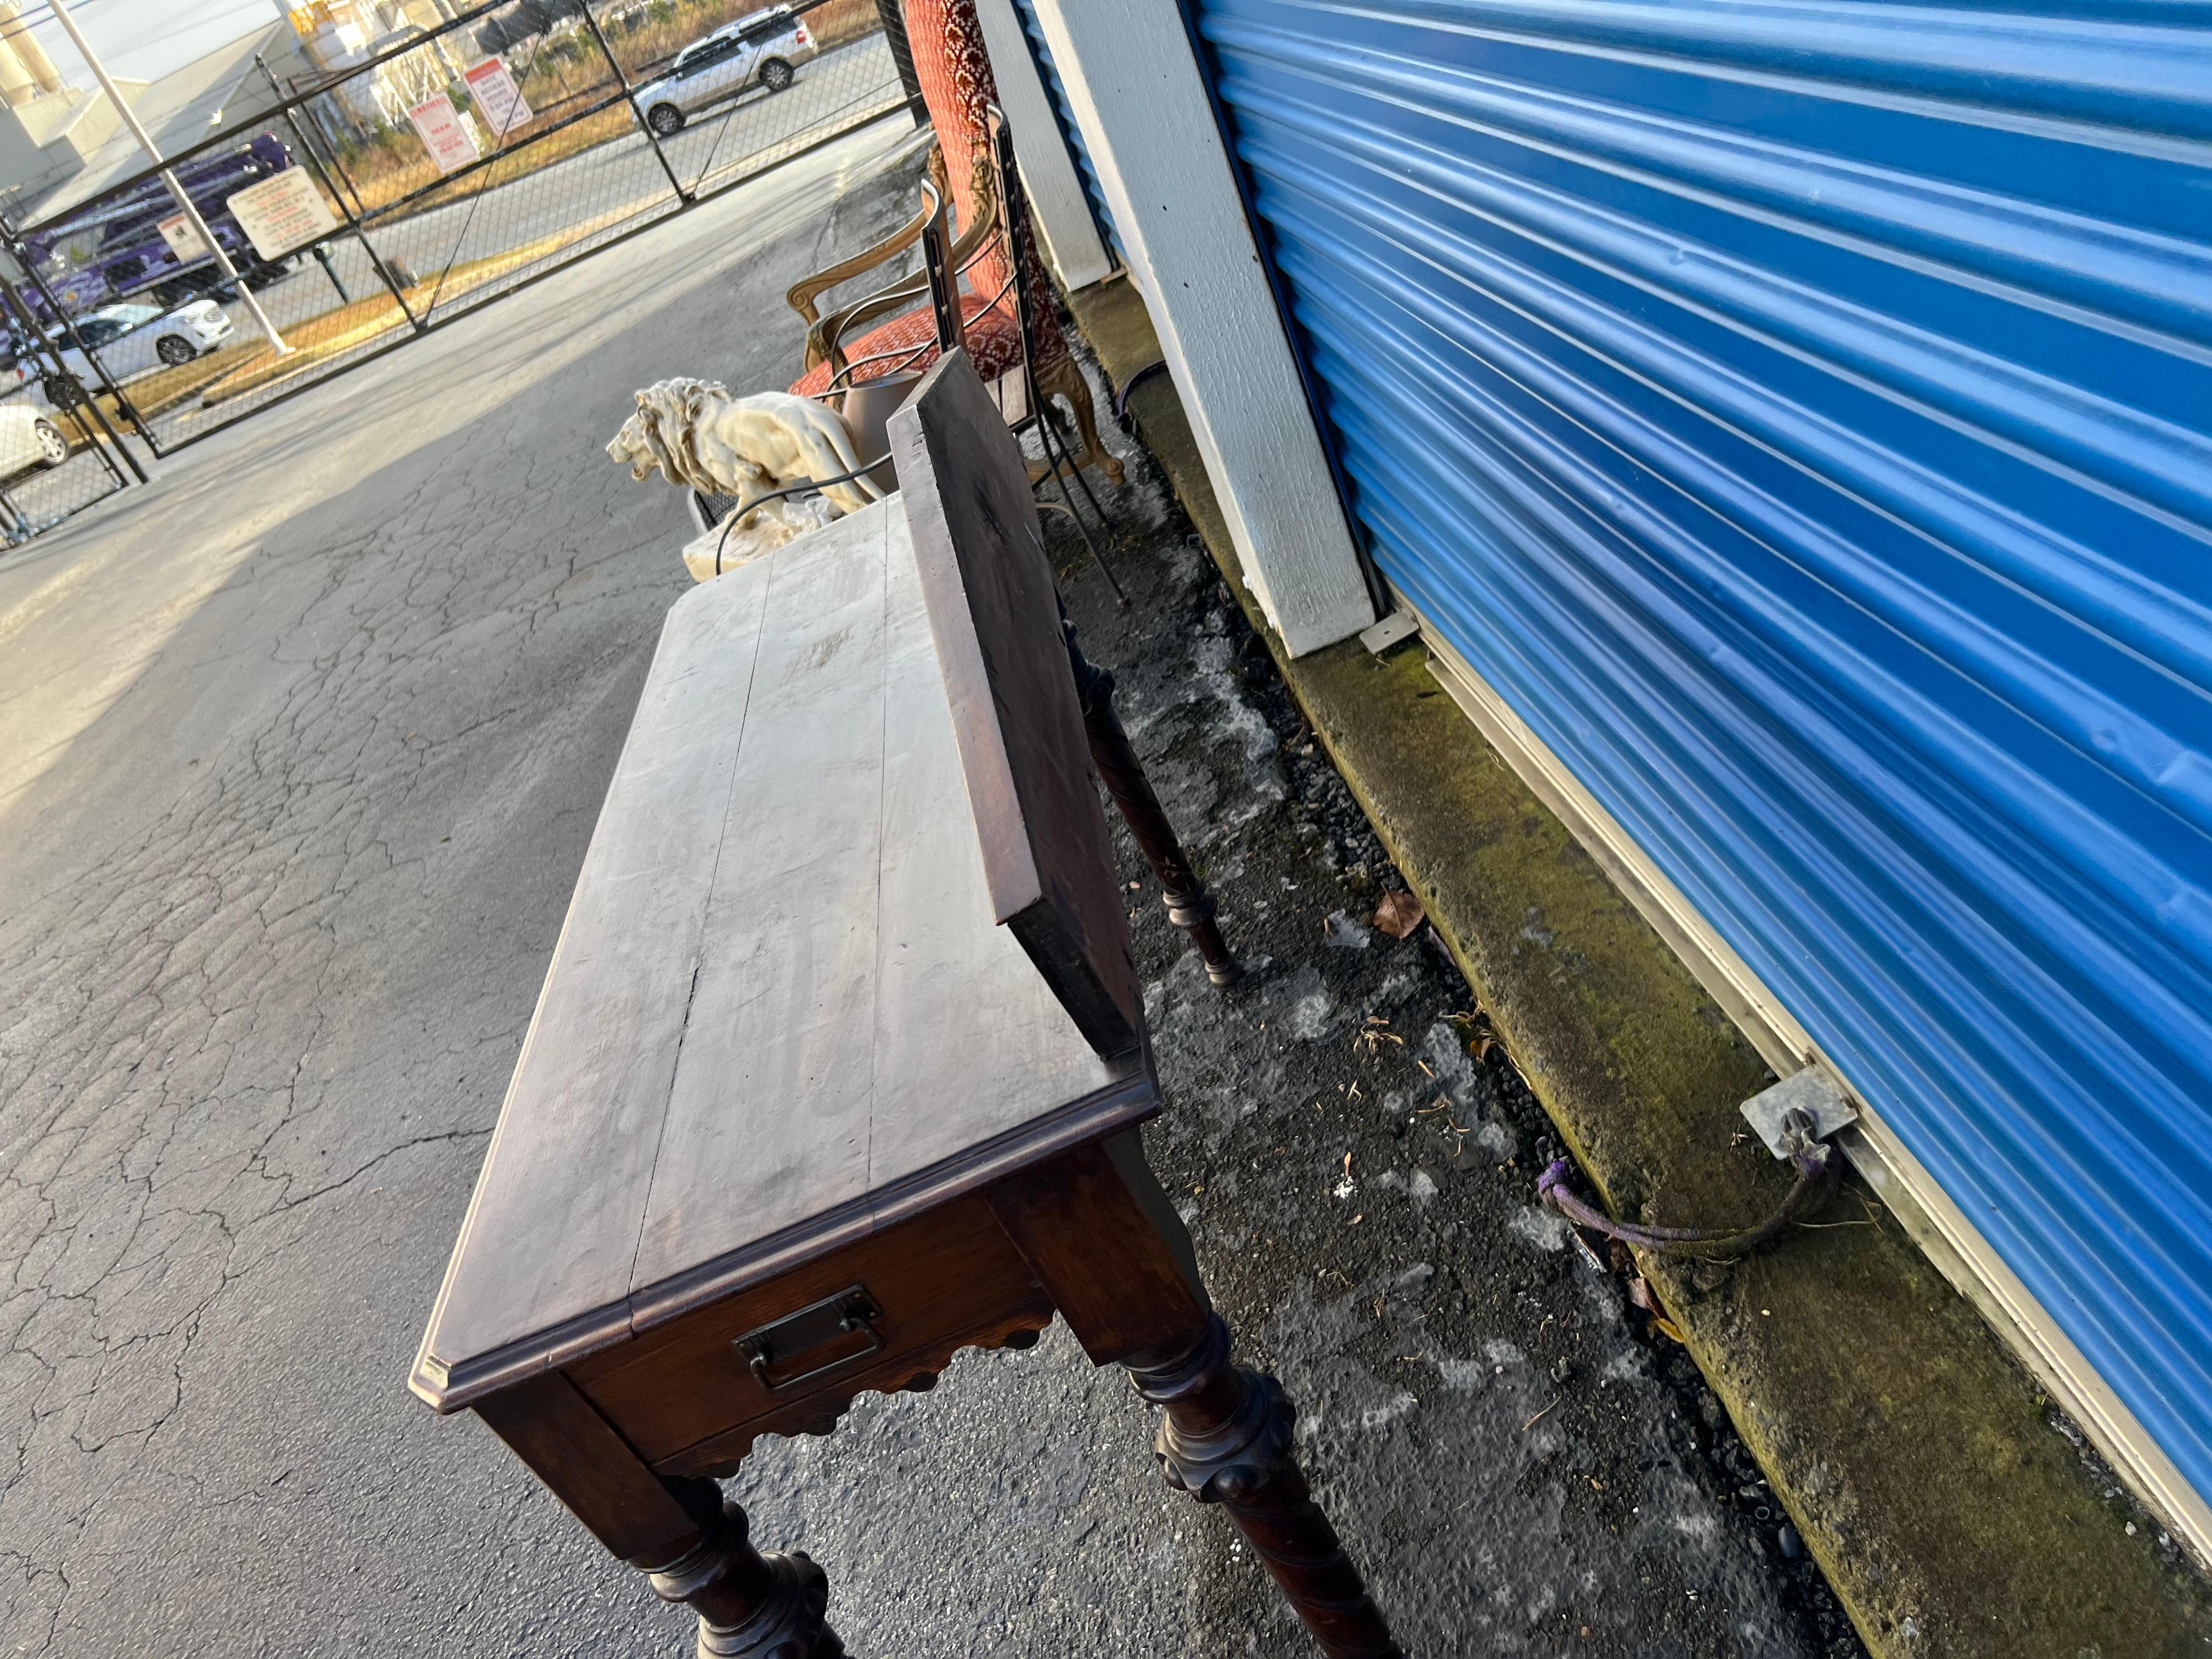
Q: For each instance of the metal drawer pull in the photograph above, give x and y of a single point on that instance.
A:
(846, 1314)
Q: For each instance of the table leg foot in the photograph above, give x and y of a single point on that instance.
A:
(751, 1606)
(1226, 1440)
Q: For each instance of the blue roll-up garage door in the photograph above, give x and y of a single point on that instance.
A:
(1798, 413)
(1070, 133)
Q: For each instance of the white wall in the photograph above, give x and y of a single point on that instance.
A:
(1137, 96)
(1057, 203)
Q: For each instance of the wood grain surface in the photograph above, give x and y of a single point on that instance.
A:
(995, 617)
(780, 1016)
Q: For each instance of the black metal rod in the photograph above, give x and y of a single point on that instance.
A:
(902, 50)
(629, 92)
(323, 168)
(23, 311)
(1013, 215)
(376, 263)
(124, 405)
(322, 254)
(333, 154)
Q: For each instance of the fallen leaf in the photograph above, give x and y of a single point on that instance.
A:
(1398, 914)
(1665, 1326)
(1480, 1038)
(1640, 1293)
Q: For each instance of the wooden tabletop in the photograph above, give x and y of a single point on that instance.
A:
(780, 1014)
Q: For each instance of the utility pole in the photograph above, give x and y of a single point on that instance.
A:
(130, 119)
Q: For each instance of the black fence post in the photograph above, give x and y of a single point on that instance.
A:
(902, 57)
(331, 171)
(353, 223)
(128, 409)
(629, 92)
(83, 401)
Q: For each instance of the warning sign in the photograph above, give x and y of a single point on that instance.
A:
(497, 96)
(184, 242)
(449, 136)
(285, 211)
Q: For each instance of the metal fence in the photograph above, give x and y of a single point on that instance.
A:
(53, 463)
(445, 173)
(58, 452)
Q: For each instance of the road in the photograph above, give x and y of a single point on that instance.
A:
(300, 752)
(607, 188)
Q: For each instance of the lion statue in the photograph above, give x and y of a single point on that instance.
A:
(700, 437)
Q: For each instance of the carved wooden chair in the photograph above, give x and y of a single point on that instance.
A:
(851, 343)
(843, 350)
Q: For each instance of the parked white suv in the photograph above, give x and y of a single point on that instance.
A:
(761, 50)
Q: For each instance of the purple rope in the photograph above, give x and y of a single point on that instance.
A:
(1819, 1173)
(1121, 402)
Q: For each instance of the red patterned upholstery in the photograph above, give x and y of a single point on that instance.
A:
(950, 61)
(994, 345)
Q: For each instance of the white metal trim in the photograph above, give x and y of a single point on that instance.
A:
(1057, 203)
(1922, 1207)
(1134, 88)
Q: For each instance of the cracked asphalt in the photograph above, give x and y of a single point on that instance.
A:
(300, 752)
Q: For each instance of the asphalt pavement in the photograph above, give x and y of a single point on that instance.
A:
(300, 751)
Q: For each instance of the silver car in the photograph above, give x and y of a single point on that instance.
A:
(762, 50)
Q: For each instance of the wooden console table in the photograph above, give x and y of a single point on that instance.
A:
(797, 1117)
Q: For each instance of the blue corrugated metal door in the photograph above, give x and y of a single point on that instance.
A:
(1798, 413)
(1069, 132)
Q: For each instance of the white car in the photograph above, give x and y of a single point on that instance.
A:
(130, 339)
(29, 440)
(761, 50)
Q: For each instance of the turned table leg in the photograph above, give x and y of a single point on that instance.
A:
(759, 1607)
(1225, 1438)
(1117, 1262)
(1190, 906)
(691, 1545)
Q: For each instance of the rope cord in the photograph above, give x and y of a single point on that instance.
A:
(1820, 1171)
(800, 489)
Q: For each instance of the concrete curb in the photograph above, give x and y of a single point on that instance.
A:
(1943, 1496)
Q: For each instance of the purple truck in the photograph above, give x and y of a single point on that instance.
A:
(112, 248)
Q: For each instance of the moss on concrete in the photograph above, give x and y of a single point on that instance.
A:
(1918, 1461)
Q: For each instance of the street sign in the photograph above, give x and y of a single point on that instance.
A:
(285, 211)
(449, 136)
(496, 96)
(184, 242)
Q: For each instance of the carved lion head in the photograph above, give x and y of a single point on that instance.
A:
(663, 432)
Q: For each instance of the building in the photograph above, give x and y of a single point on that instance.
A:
(332, 37)
(48, 128)
(1789, 430)
(60, 145)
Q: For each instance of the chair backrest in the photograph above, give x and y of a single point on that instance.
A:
(995, 617)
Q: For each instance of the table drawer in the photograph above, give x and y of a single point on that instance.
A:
(691, 1400)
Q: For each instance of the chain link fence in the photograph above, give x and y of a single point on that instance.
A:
(53, 462)
(429, 180)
